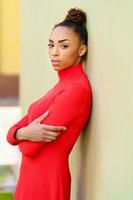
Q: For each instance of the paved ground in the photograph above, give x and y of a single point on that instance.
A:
(12, 101)
(10, 113)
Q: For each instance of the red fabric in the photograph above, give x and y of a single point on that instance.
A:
(44, 172)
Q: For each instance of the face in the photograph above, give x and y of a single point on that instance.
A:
(65, 48)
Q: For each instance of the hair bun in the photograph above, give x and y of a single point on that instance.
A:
(77, 16)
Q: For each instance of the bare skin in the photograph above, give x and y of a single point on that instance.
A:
(65, 50)
(37, 132)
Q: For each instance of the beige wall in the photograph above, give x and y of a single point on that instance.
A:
(101, 162)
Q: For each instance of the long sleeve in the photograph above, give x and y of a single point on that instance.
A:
(10, 135)
(23, 122)
(65, 108)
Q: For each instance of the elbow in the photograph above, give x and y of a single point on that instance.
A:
(11, 141)
(10, 136)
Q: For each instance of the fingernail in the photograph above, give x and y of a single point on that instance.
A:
(47, 112)
(65, 128)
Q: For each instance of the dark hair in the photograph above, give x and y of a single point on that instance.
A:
(76, 19)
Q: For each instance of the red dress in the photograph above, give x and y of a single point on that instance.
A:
(44, 172)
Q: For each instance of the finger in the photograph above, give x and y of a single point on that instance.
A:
(51, 133)
(47, 140)
(54, 128)
(49, 137)
(43, 116)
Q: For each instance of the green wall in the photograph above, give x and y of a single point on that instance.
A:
(101, 162)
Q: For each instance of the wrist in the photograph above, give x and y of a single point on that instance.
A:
(19, 135)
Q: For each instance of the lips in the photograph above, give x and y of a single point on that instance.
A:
(55, 62)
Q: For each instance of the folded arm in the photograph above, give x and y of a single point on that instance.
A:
(62, 111)
(11, 132)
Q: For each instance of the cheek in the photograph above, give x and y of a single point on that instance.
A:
(70, 53)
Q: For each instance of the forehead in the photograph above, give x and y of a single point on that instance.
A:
(61, 33)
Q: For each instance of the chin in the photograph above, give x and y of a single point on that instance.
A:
(56, 68)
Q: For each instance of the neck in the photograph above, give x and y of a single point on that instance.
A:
(70, 72)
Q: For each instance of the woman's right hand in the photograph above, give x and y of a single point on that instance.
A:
(37, 132)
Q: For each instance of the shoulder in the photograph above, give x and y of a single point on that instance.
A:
(73, 87)
(80, 86)
(77, 90)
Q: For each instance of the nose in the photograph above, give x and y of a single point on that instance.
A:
(55, 51)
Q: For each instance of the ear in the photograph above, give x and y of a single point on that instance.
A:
(82, 50)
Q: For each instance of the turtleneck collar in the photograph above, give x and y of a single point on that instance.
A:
(70, 72)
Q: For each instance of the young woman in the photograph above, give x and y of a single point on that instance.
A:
(44, 172)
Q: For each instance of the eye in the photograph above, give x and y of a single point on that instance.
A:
(50, 45)
(64, 46)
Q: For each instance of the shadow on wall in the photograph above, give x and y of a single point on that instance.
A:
(85, 166)
(87, 171)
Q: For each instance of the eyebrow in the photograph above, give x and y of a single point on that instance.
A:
(59, 40)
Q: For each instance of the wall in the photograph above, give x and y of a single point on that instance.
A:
(101, 162)
(9, 37)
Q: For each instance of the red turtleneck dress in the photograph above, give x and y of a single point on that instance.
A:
(44, 172)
